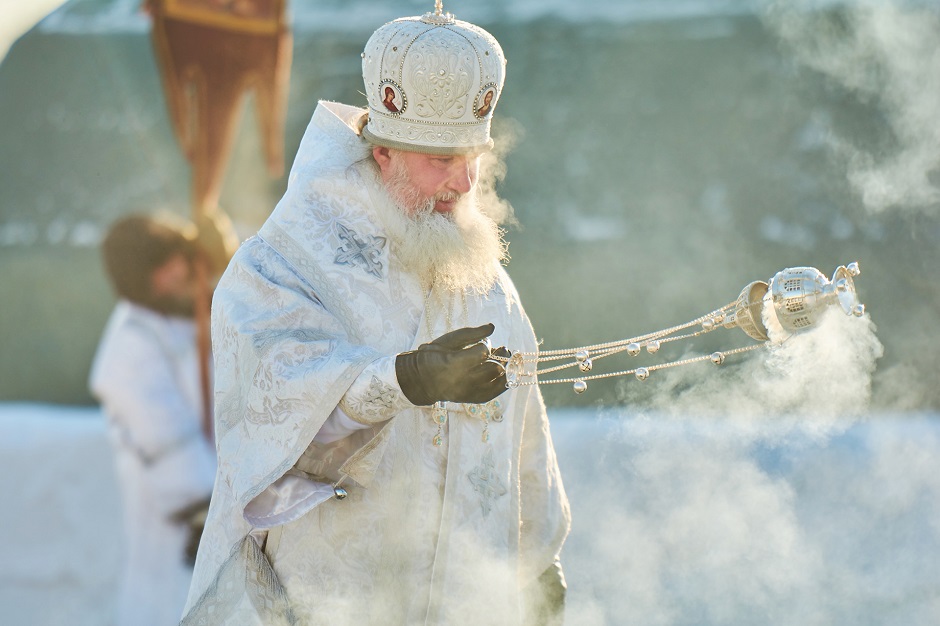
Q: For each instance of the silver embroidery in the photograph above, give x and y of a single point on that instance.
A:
(247, 571)
(376, 402)
(442, 83)
(362, 251)
(486, 481)
(380, 394)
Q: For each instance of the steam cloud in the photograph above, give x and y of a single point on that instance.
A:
(493, 171)
(888, 55)
(756, 494)
(766, 492)
(826, 372)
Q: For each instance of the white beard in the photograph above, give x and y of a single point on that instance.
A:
(458, 251)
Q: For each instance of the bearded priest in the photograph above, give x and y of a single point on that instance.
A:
(373, 466)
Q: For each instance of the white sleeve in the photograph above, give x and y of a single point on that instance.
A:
(338, 426)
(374, 397)
(292, 495)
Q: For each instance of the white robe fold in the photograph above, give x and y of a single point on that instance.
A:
(428, 534)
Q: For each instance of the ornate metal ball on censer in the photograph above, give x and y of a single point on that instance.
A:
(792, 301)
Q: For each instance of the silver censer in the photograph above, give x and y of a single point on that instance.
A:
(795, 299)
(792, 301)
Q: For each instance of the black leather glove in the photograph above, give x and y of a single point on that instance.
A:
(453, 368)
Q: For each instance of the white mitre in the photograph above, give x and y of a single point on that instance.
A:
(432, 83)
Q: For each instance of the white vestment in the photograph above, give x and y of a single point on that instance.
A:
(145, 376)
(307, 321)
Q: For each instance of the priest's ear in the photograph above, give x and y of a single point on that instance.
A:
(383, 157)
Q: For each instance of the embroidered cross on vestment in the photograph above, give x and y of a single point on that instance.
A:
(486, 482)
(361, 251)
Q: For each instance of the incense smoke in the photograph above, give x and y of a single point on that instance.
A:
(760, 492)
(766, 491)
(887, 55)
(825, 372)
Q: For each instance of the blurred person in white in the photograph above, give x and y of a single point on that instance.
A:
(146, 376)
(373, 466)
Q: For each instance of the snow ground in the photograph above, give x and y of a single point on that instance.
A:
(676, 521)
(63, 522)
